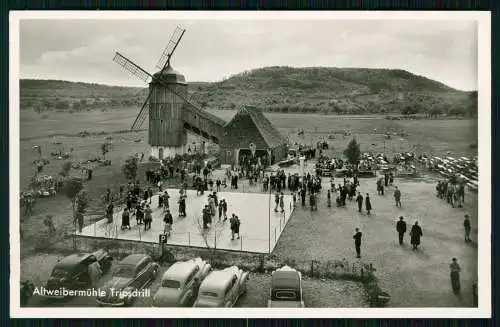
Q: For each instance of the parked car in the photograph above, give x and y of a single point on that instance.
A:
(222, 288)
(71, 272)
(131, 275)
(286, 289)
(180, 283)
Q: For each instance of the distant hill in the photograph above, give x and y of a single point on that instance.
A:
(280, 89)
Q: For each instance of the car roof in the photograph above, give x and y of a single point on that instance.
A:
(133, 259)
(72, 260)
(286, 279)
(217, 280)
(179, 271)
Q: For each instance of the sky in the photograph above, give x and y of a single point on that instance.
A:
(210, 50)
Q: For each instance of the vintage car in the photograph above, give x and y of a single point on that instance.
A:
(131, 275)
(222, 288)
(71, 272)
(286, 289)
(180, 283)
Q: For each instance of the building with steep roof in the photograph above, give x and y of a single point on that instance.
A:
(250, 133)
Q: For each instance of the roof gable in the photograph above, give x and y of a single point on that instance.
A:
(269, 133)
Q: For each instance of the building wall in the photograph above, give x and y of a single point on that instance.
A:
(166, 127)
(238, 135)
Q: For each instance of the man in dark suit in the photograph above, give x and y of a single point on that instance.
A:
(357, 242)
(401, 229)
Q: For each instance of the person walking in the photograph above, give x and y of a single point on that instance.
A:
(148, 218)
(328, 199)
(415, 235)
(467, 228)
(357, 242)
(139, 213)
(303, 196)
(401, 229)
(359, 201)
(397, 197)
(368, 204)
(455, 275)
(221, 203)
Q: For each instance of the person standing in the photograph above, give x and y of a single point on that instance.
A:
(455, 276)
(282, 202)
(139, 214)
(329, 199)
(169, 221)
(221, 204)
(217, 184)
(397, 197)
(148, 218)
(467, 228)
(224, 209)
(125, 219)
(357, 242)
(303, 196)
(276, 201)
(368, 204)
(234, 226)
(359, 200)
(294, 197)
(474, 294)
(415, 234)
(401, 229)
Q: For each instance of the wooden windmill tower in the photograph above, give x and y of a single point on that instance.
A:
(169, 119)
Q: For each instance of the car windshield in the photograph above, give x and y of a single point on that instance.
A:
(59, 273)
(170, 283)
(126, 271)
(285, 295)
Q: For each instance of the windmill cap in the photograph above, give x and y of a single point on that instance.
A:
(170, 76)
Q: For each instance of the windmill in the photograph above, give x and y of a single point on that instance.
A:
(166, 105)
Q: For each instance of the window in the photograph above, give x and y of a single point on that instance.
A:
(285, 295)
(170, 283)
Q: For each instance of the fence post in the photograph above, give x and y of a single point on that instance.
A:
(280, 224)
(274, 234)
(189, 238)
(116, 231)
(140, 237)
(215, 239)
(241, 243)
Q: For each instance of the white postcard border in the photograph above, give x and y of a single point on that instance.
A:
(484, 136)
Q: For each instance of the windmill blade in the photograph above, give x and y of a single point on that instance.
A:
(170, 48)
(132, 67)
(143, 113)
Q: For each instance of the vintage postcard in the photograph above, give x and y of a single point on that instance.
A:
(280, 164)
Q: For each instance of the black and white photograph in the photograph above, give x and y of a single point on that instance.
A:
(280, 164)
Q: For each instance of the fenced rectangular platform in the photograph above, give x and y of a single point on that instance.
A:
(255, 210)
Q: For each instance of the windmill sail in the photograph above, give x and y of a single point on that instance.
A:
(170, 48)
(143, 113)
